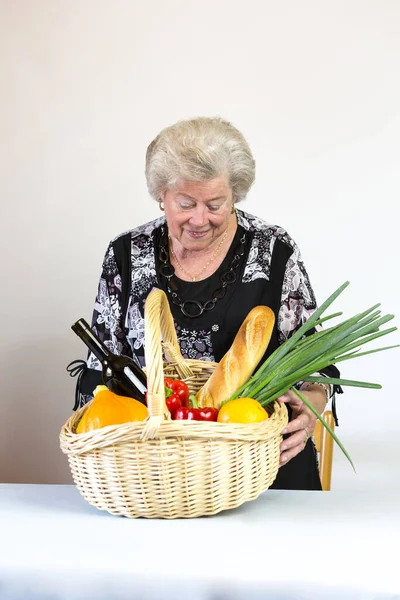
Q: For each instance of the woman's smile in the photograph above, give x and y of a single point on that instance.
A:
(196, 234)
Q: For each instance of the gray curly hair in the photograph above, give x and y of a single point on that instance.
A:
(198, 150)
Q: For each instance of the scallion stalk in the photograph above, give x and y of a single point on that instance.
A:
(304, 354)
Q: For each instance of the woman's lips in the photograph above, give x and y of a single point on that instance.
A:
(197, 234)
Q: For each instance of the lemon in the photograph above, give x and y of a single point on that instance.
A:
(242, 410)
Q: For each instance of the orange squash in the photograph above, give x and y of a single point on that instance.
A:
(108, 408)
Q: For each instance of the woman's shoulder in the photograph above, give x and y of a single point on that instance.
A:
(145, 230)
(263, 229)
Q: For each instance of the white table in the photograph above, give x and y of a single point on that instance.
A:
(56, 546)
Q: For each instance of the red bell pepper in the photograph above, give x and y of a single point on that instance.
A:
(208, 413)
(173, 403)
(178, 388)
(185, 414)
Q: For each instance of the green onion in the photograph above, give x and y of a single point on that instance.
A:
(325, 424)
(304, 354)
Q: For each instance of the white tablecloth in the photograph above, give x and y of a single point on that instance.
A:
(284, 545)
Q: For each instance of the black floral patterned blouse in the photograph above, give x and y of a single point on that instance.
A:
(210, 335)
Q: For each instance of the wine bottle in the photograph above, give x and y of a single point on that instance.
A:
(120, 373)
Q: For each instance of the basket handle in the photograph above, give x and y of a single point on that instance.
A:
(159, 325)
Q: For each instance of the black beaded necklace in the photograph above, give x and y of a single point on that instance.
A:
(197, 308)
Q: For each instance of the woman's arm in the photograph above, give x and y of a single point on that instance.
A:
(297, 305)
(107, 322)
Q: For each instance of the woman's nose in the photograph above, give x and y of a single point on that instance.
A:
(199, 216)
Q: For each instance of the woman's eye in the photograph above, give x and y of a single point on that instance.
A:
(214, 208)
(185, 206)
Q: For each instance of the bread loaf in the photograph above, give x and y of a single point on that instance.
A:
(238, 364)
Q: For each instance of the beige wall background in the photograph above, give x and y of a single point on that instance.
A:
(86, 85)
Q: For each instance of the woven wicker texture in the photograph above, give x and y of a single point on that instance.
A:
(161, 468)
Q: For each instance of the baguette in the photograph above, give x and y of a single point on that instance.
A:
(238, 364)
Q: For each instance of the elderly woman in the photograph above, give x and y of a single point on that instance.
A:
(215, 263)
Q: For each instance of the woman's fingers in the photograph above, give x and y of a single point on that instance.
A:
(296, 439)
(297, 424)
(293, 445)
(299, 429)
(290, 397)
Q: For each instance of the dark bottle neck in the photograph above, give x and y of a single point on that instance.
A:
(83, 330)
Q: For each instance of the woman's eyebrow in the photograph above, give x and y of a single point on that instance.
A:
(195, 200)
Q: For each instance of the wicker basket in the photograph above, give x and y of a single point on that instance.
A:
(161, 468)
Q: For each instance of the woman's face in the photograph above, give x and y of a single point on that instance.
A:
(199, 212)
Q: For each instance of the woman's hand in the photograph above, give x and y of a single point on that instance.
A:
(303, 421)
